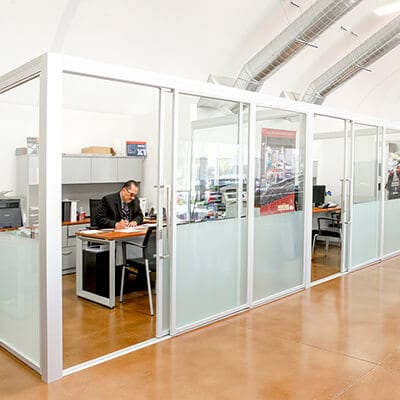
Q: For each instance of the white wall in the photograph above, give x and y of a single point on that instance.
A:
(17, 122)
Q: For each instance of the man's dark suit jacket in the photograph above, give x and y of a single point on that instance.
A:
(109, 211)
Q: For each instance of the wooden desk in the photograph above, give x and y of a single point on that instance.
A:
(317, 210)
(108, 237)
(85, 221)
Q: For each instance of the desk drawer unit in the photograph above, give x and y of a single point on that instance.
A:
(69, 247)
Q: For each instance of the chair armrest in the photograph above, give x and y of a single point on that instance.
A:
(332, 220)
(133, 244)
(124, 244)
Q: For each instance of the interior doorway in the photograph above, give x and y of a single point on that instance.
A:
(128, 121)
(331, 185)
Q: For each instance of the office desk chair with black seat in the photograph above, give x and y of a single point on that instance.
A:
(329, 230)
(93, 204)
(147, 261)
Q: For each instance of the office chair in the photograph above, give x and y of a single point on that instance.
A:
(329, 230)
(93, 204)
(147, 261)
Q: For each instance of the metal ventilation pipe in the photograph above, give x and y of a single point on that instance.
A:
(315, 20)
(361, 57)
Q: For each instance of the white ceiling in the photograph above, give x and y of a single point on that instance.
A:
(193, 39)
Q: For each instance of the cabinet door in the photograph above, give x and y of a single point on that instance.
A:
(64, 236)
(76, 170)
(129, 168)
(71, 234)
(104, 169)
(68, 259)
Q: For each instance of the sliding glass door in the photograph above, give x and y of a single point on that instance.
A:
(278, 202)
(331, 190)
(211, 211)
(366, 210)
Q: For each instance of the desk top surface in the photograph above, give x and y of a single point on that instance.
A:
(108, 234)
(317, 210)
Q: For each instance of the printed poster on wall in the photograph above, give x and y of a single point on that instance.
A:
(277, 182)
(393, 171)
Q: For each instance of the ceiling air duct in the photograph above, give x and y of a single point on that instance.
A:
(361, 57)
(300, 33)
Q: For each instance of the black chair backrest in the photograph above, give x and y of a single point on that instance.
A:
(93, 204)
(150, 244)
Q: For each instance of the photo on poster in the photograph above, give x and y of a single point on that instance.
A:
(276, 189)
(393, 171)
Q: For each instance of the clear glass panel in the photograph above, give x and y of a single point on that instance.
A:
(211, 207)
(329, 157)
(279, 215)
(107, 126)
(391, 163)
(19, 205)
(366, 203)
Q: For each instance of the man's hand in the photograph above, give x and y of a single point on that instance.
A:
(122, 224)
(132, 223)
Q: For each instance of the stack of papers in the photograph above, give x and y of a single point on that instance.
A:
(87, 231)
(131, 229)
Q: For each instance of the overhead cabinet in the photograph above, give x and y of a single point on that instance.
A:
(84, 169)
(97, 169)
(76, 169)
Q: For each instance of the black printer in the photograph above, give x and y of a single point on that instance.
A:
(10, 213)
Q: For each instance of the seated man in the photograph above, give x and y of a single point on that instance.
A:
(120, 210)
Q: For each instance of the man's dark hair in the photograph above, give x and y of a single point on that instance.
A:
(130, 183)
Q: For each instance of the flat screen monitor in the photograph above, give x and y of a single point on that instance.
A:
(10, 213)
(319, 194)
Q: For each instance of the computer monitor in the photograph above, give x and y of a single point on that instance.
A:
(319, 194)
(10, 213)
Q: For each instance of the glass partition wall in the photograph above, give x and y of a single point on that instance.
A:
(224, 181)
(19, 220)
(278, 202)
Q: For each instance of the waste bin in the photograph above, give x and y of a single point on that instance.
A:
(96, 276)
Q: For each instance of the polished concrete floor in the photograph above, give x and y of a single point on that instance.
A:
(323, 265)
(91, 330)
(337, 340)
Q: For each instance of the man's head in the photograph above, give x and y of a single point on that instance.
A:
(129, 191)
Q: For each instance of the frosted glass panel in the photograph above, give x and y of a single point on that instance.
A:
(366, 205)
(210, 276)
(391, 236)
(19, 294)
(278, 255)
(365, 232)
(166, 279)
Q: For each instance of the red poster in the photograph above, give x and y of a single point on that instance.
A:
(276, 191)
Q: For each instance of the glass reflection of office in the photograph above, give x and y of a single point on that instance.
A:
(217, 175)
